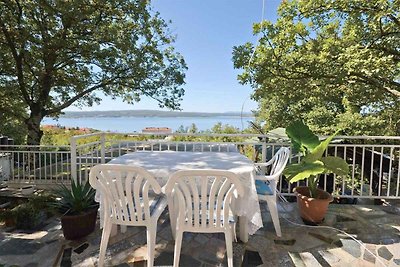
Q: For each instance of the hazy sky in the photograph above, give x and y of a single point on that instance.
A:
(206, 32)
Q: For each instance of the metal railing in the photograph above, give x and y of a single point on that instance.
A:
(374, 160)
(40, 165)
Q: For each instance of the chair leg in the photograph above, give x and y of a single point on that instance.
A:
(104, 241)
(172, 217)
(229, 250)
(178, 244)
(273, 210)
(151, 244)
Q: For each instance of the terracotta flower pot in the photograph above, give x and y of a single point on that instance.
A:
(78, 226)
(312, 209)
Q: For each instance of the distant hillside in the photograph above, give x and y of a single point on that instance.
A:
(148, 113)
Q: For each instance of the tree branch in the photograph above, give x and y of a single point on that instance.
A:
(381, 82)
(79, 95)
(18, 61)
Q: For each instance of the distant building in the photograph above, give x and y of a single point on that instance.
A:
(157, 130)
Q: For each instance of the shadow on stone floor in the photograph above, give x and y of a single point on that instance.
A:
(298, 246)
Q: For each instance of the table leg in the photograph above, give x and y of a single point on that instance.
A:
(243, 229)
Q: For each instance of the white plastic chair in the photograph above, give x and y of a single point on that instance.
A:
(202, 201)
(266, 183)
(125, 198)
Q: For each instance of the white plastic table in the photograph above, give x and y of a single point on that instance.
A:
(163, 163)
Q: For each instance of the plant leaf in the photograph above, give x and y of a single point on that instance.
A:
(318, 151)
(303, 170)
(301, 137)
(77, 199)
(335, 165)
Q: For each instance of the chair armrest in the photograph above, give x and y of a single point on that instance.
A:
(264, 164)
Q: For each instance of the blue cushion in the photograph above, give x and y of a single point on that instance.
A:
(263, 188)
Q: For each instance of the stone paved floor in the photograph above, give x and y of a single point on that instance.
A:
(377, 226)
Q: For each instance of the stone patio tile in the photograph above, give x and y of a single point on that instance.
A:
(367, 254)
(369, 210)
(210, 257)
(19, 246)
(351, 247)
(394, 249)
(202, 239)
(345, 258)
(309, 259)
(315, 245)
(277, 258)
(329, 257)
(166, 233)
(385, 253)
(167, 259)
(297, 260)
(89, 262)
(251, 259)
(362, 263)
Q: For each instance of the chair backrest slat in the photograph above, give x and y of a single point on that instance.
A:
(203, 197)
(280, 160)
(204, 200)
(196, 202)
(213, 191)
(129, 197)
(137, 184)
(124, 191)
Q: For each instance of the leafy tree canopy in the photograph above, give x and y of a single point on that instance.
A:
(59, 53)
(333, 63)
(11, 112)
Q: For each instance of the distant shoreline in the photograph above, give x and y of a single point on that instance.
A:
(150, 113)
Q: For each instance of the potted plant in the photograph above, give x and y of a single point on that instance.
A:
(7, 216)
(312, 201)
(78, 209)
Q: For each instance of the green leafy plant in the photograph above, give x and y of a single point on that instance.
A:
(312, 163)
(75, 200)
(27, 216)
(6, 214)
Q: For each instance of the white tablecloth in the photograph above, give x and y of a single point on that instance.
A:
(163, 163)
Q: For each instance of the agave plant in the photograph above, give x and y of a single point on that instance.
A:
(75, 200)
(312, 163)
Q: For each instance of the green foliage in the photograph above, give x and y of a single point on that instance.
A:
(313, 163)
(31, 214)
(42, 201)
(27, 216)
(61, 53)
(11, 117)
(331, 63)
(75, 200)
(5, 214)
(301, 137)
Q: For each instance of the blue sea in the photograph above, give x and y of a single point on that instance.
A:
(136, 124)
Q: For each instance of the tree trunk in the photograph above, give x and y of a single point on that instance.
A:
(33, 125)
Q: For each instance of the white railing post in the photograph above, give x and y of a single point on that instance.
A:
(74, 171)
(264, 150)
(103, 147)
